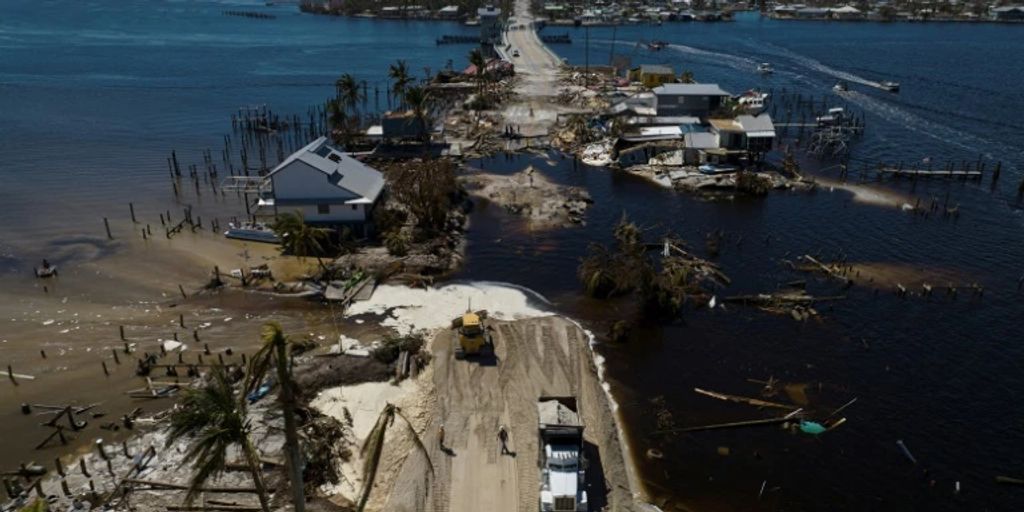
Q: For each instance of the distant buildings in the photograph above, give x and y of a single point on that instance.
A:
(689, 124)
(490, 25)
(1008, 13)
(886, 10)
(325, 185)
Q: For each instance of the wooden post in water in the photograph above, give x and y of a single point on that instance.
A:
(117, 359)
(105, 370)
(106, 224)
(10, 375)
(131, 209)
(182, 290)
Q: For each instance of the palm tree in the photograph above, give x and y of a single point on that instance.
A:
(301, 239)
(348, 91)
(686, 77)
(373, 447)
(339, 121)
(276, 352)
(214, 417)
(420, 102)
(476, 58)
(399, 74)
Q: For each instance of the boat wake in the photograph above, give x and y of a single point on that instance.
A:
(820, 67)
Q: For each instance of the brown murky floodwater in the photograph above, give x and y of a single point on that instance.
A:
(76, 318)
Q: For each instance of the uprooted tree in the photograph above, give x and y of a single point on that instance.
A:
(428, 190)
(666, 274)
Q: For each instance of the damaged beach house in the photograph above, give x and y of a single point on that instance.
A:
(677, 124)
(322, 183)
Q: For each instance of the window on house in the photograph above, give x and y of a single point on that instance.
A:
(355, 207)
(323, 209)
(334, 157)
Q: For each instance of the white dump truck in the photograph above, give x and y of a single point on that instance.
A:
(562, 465)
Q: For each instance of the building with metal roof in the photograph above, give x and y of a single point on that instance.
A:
(324, 184)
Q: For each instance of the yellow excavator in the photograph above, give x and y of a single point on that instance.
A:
(472, 337)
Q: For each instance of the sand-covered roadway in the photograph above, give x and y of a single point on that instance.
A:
(537, 354)
(535, 108)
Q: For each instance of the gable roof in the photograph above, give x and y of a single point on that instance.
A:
(752, 126)
(690, 90)
(757, 125)
(341, 170)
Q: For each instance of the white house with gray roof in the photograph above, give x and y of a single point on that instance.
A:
(324, 184)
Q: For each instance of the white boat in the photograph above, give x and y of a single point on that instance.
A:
(836, 115)
(253, 232)
(889, 86)
(753, 101)
(840, 86)
(765, 68)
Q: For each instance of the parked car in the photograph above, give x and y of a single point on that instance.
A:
(717, 169)
(515, 53)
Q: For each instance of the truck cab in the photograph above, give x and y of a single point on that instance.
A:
(562, 480)
(561, 461)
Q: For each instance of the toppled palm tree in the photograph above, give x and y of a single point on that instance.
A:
(214, 417)
(428, 191)
(275, 352)
(665, 274)
(301, 239)
(611, 272)
(373, 448)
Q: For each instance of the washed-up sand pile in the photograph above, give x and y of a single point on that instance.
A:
(530, 194)
(538, 354)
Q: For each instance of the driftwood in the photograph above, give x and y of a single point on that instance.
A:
(169, 486)
(735, 424)
(832, 271)
(210, 507)
(1000, 479)
(744, 400)
(781, 299)
(700, 264)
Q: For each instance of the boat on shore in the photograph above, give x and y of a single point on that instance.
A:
(45, 270)
(252, 232)
(753, 101)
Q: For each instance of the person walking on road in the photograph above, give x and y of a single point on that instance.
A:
(503, 437)
(440, 438)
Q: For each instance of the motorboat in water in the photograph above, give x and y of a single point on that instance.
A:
(656, 45)
(889, 86)
(252, 232)
(840, 86)
(765, 68)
